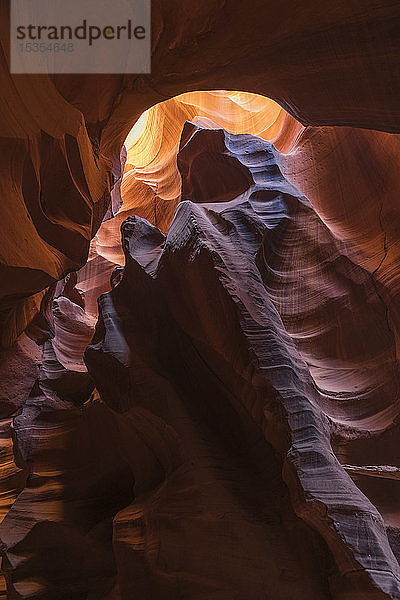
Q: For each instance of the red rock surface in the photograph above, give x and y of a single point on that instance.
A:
(233, 429)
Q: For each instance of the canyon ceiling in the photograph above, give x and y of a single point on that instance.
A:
(199, 312)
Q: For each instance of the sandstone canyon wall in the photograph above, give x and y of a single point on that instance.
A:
(199, 316)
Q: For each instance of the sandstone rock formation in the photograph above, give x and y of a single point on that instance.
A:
(229, 428)
(228, 400)
(233, 280)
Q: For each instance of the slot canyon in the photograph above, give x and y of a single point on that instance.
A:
(200, 312)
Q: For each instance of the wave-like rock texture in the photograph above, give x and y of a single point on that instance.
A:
(213, 514)
(236, 464)
(348, 175)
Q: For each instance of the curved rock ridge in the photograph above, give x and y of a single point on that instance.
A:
(169, 287)
(311, 280)
(224, 485)
(216, 298)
